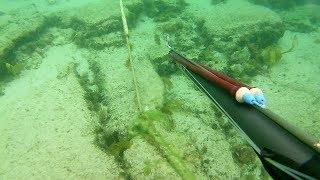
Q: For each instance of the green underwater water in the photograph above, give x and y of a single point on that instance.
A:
(80, 101)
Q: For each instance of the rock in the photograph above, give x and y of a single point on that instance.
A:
(98, 28)
(236, 24)
(240, 30)
(92, 13)
(302, 19)
(279, 4)
(24, 23)
(163, 10)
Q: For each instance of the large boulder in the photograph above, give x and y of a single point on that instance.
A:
(240, 31)
(236, 23)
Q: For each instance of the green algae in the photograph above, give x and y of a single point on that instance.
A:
(85, 35)
(149, 165)
(243, 154)
(93, 85)
(14, 69)
(164, 66)
(111, 142)
(146, 127)
(28, 42)
(1, 90)
(271, 55)
(171, 105)
(167, 83)
(117, 148)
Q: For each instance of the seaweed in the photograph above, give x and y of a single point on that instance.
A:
(294, 45)
(170, 105)
(271, 55)
(14, 69)
(27, 43)
(30, 39)
(167, 83)
(95, 92)
(96, 97)
(114, 144)
(163, 66)
(149, 165)
(105, 32)
(243, 154)
(146, 127)
(1, 89)
(154, 116)
(117, 148)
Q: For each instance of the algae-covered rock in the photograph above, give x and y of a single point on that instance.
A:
(239, 30)
(99, 25)
(297, 15)
(93, 23)
(280, 4)
(163, 10)
(238, 23)
(24, 27)
(214, 59)
(185, 34)
(228, 36)
(302, 18)
(102, 15)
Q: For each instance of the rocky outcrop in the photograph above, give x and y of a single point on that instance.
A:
(302, 18)
(237, 29)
